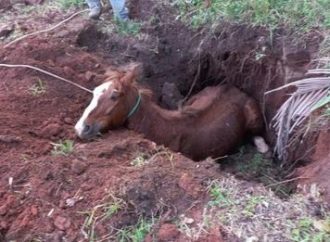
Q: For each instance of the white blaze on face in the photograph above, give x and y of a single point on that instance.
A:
(97, 93)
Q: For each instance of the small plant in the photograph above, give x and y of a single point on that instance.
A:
(219, 197)
(252, 204)
(112, 208)
(255, 164)
(38, 88)
(99, 213)
(63, 147)
(71, 3)
(136, 233)
(128, 28)
(140, 160)
(306, 231)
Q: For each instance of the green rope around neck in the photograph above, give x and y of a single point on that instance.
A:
(136, 106)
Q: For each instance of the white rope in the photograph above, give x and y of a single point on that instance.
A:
(45, 30)
(48, 73)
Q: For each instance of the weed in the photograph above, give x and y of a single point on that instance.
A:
(140, 160)
(71, 3)
(128, 28)
(38, 88)
(251, 205)
(135, 233)
(255, 166)
(63, 147)
(305, 231)
(258, 213)
(301, 15)
(112, 209)
(219, 197)
(99, 213)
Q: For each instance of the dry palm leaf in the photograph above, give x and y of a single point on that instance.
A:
(310, 94)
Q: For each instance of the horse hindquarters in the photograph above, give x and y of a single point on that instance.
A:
(255, 125)
(218, 134)
(253, 116)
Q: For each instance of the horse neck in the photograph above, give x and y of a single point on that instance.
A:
(155, 122)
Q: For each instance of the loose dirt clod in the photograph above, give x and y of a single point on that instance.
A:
(62, 223)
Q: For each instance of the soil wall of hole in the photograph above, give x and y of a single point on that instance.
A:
(250, 58)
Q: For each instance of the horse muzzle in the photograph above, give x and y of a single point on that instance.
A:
(86, 131)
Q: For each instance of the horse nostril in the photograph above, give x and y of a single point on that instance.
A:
(86, 128)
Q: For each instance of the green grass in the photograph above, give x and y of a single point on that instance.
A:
(306, 231)
(135, 233)
(255, 166)
(251, 205)
(71, 3)
(38, 88)
(302, 14)
(63, 147)
(128, 28)
(219, 197)
(254, 211)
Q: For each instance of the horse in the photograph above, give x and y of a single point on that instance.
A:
(211, 123)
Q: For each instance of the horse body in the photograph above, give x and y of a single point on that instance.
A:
(212, 122)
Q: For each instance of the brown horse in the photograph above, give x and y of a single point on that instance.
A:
(212, 123)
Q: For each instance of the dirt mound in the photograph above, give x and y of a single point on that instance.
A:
(47, 196)
(317, 172)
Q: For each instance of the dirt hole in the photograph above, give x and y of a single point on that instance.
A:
(241, 56)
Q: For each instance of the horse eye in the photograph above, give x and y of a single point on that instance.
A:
(114, 95)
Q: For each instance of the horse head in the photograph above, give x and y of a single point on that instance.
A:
(113, 102)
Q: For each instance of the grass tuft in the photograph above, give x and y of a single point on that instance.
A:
(135, 233)
(71, 3)
(63, 147)
(308, 229)
(219, 197)
(110, 206)
(128, 28)
(255, 212)
(302, 15)
(38, 88)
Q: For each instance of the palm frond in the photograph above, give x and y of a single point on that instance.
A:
(310, 94)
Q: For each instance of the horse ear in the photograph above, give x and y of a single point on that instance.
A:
(112, 73)
(132, 73)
